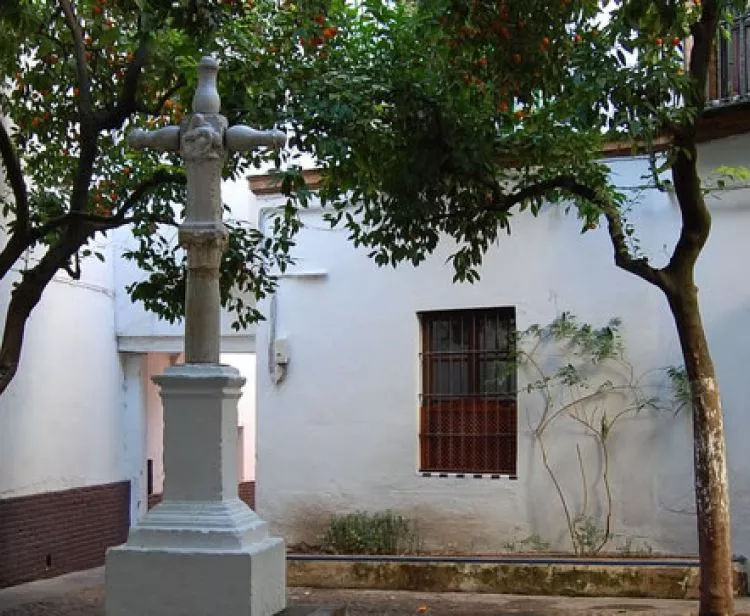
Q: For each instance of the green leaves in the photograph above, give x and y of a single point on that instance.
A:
(444, 118)
(580, 339)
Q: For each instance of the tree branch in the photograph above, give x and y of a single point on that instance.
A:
(568, 184)
(126, 104)
(96, 222)
(29, 291)
(14, 177)
(84, 82)
(704, 33)
(623, 259)
(164, 97)
(25, 297)
(160, 177)
(88, 128)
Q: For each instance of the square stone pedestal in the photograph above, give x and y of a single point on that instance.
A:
(183, 583)
(202, 551)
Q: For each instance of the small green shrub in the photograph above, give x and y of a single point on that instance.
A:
(629, 549)
(371, 533)
(590, 538)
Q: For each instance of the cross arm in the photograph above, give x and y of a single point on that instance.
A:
(163, 139)
(243, 138)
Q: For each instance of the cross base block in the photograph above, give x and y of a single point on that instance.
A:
(175, 582)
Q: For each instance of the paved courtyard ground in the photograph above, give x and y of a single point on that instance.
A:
(82, 594)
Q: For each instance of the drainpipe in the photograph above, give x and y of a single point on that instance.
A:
(276, 368)
(278, 349)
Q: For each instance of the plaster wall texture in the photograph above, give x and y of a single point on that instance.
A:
(61, 424)
(340, 432)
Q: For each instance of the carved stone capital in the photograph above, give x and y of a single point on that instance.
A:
(204, 244)
(202, 137)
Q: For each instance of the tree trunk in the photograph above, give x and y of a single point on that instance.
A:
(709, 454)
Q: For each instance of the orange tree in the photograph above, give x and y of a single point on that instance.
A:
(75, 75)
(438, 118)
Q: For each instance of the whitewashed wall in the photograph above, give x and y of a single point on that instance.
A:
(61, 420)
(340, 432)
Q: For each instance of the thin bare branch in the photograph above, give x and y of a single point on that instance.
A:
(170, 92)
(571, 186)
(97, 222)
(560, 494)
(161, 176)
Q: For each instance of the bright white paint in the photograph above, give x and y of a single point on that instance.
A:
(61, 424)
(348, 406)
(144, 582)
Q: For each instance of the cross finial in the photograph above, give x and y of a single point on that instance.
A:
(206, 98)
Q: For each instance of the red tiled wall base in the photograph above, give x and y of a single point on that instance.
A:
(246, 490)
(44, 535)
(247, 493)
(154, 499)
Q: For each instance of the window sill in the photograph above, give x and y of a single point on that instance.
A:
(438, 474)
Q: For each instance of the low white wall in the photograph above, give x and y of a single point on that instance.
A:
(340, 433)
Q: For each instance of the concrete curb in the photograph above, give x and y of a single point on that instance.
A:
(564, 577)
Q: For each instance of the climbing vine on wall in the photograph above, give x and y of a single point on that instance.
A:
(581, 375)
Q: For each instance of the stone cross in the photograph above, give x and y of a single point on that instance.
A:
(201, 550)
(204, 140)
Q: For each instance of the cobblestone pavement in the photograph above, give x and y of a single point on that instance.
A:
(82, 594)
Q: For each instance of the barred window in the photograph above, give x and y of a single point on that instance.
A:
(468, 403)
